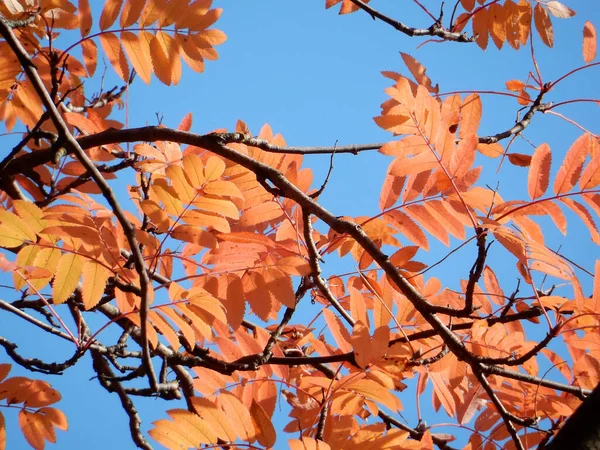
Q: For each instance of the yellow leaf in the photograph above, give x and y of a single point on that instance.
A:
(95, 277)
(14, 230)
(31, 214)
(25, 257)
(185, 191)
(46, 259)
(67, 276)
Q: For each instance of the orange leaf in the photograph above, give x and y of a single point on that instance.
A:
(109, 13)
(189, 233)
(468, 4)
(238, 416)
(441, 390)
(4, 370)
(139, 54)
(464, 156)
(196, 429)
(131, 12)
(214, 417)
(2, 432)
(408, 228)
(379, 343)
(372, 390)
(214, 168)
(85, 17)
(515, 85)
(418, 72)
(589, 42)
(519, 159)
(570, 170)
(596, 292)
(160, 58)
(339, 332)
(307, 443)
(32, 428)
(361, 343)
(294, 265)
(481, 28)
(470, 112)
(543, 25)
(539, 171)
(114, 51)
(265, 432)
(411, 166)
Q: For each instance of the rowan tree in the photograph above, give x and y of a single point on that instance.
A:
(210, 271)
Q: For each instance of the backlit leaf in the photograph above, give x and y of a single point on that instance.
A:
(68, 271)
(109, 13)
(557, 9)
(95, 277)
(543, 24)
(214, 417)
(570, 170)
(589, 42)
(139, 54)
(111, 45)
(361, 344)
(265, 432)
(238, 416)
(539, 171)
(85, 17)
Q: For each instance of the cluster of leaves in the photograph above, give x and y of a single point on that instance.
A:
(36, 418)
(221, 225)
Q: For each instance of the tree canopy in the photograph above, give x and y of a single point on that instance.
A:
(205, 269)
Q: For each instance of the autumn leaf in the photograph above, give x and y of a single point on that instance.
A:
(589, 42)
(539, 171)
(557, 9)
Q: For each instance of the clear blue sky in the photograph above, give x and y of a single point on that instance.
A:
(315, 77)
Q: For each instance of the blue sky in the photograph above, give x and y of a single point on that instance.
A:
(315, 77)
